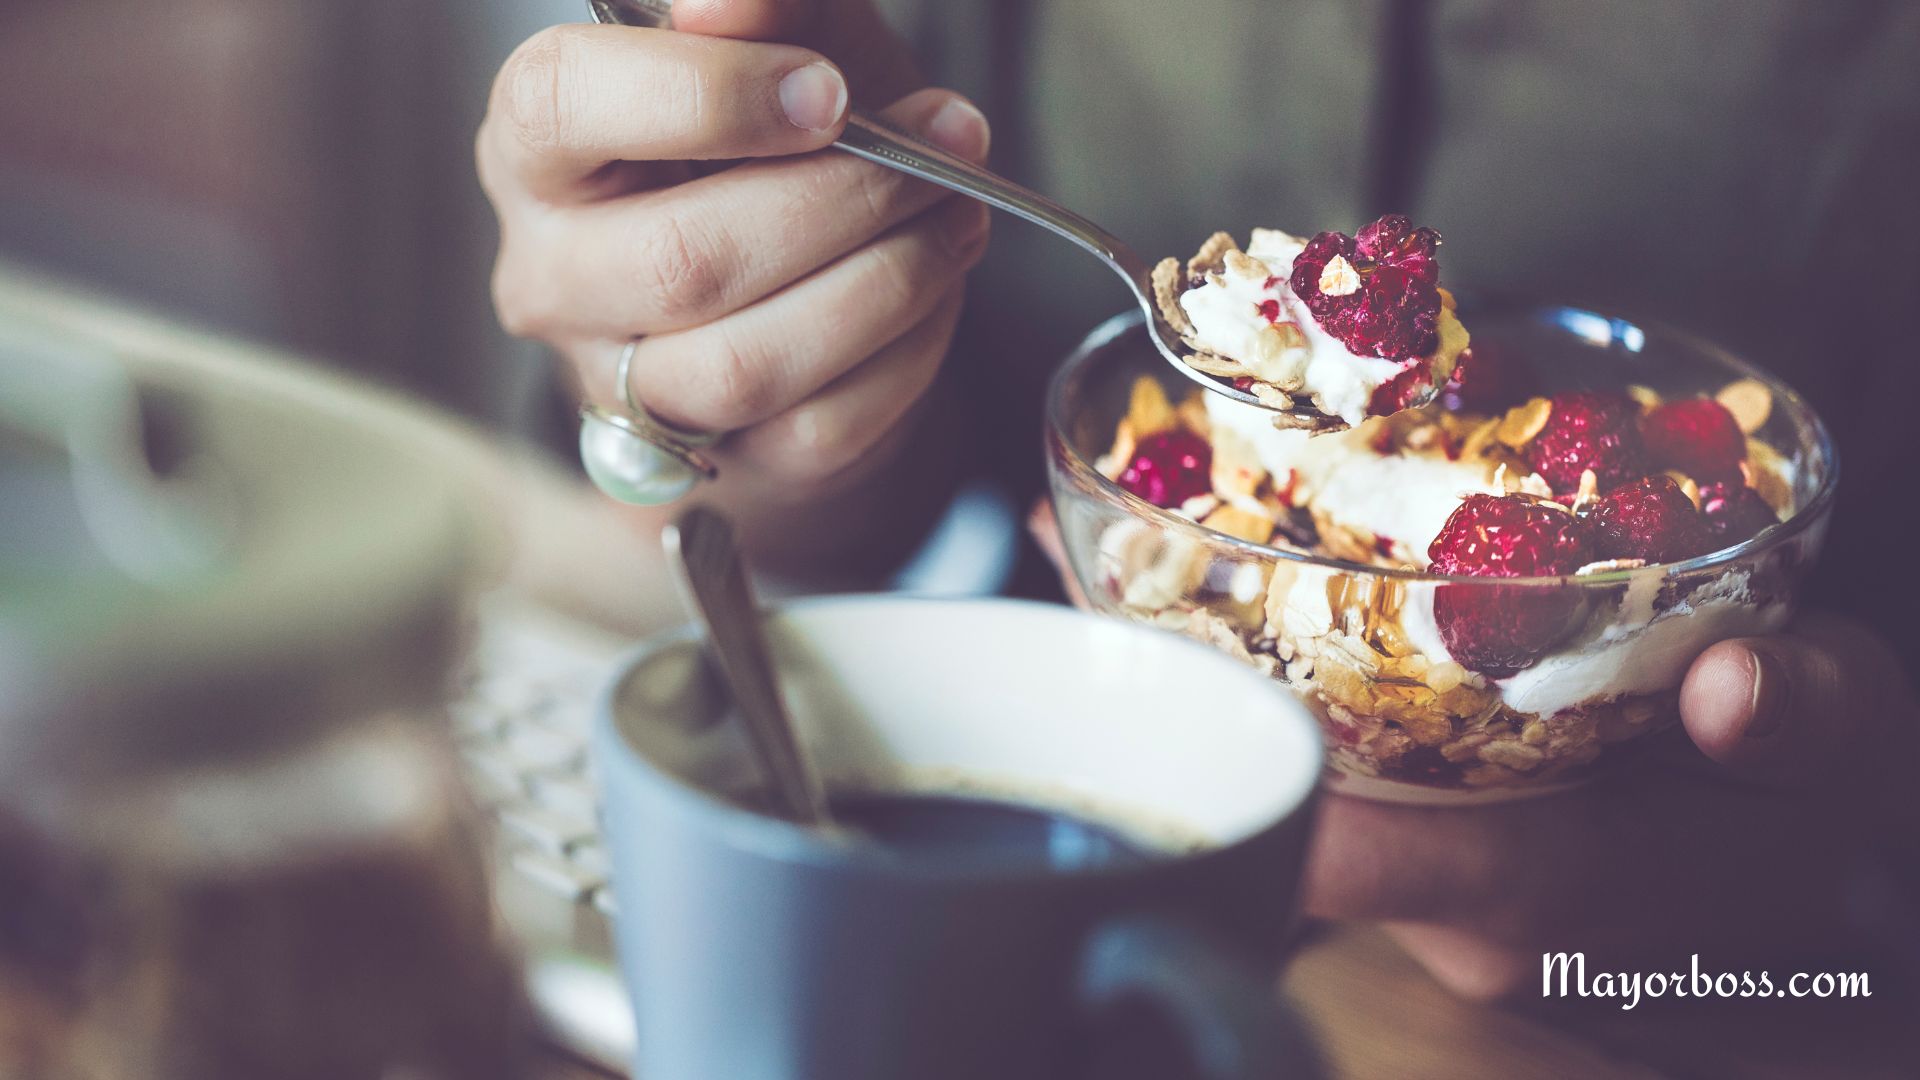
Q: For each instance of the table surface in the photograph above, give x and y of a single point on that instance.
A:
(1377, 1014)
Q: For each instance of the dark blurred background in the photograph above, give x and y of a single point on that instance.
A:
(1746, 168)
(296, 172)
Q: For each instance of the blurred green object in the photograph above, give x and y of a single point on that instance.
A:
(170, 534)
(231, 595)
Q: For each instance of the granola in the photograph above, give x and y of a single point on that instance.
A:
(1325, 332)
(1410, 711)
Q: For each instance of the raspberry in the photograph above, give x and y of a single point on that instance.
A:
(1397, 317)
(1589, 431)
(1395, 314)
(1698, 437)
(1488, 378)
(1649, 519)
(1169, 468)
(1498, 630)
(1307, 266)
(1401, 391)
(1392, 240)
(1734, 512)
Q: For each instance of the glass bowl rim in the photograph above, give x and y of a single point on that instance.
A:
(1621, 329)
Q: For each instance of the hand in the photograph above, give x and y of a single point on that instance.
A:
(1740, 842)
(1737, 840)
(671, 186)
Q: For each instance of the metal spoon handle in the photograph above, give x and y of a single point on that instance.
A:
(880, 142)
(701, 547)
(877, 141)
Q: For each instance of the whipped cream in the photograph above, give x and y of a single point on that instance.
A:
(1644, 657)
(1291, 351)
(1406, 498)
(1637, 651)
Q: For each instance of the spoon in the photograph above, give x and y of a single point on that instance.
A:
(877, 141)
(700, 545)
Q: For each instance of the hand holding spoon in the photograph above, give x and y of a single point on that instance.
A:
(877, 141)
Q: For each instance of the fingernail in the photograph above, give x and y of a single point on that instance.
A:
(959, 128)
(814, 97)
(1770, 693)
(966, 222)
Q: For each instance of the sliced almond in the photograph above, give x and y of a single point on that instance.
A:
(1476, 443)
(1278, 356)
(1645, 396)
(1121, 455)
(1199, 506)
(1767, 473)
(1236, 466)
(1339, 278)
(1750, 402)
(1212, 254)
(1536, 485)
(1588, 491)
(1504, 480)
(1237, 522)
(1284, 575)
(1214, 364)
(1687, 485)
(1608, 566)
(1523, 422)
(1242, 265)
(1193, 414)
(1148, 410)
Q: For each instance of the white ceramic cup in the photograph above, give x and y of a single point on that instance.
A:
(759, 949)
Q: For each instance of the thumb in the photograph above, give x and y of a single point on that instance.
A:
(1826, 702)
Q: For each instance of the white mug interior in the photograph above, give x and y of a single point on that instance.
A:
(1161, 738)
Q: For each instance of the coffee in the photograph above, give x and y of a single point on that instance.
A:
(968, 827)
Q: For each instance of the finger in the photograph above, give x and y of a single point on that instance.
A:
(1467, 964)
(766, 358)
(830, 432)
(750, 20)
(1821, 703)
(676, 258)
(576, 98)
(1371, 860)
(1044, 526)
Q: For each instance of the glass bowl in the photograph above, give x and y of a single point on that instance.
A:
(1358, 642)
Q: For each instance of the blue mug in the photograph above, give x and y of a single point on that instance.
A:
(759, 950)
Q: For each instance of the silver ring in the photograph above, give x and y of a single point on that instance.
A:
(633, 456)
(622, 376)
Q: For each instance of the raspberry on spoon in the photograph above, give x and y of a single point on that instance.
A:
(1650, 519)
(1401, 391)
(1588, 430)
(1394, 312)
(1498, 630)
(1698, 437)
(1169, 468)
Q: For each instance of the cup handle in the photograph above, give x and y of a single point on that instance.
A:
(1234, 1026)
